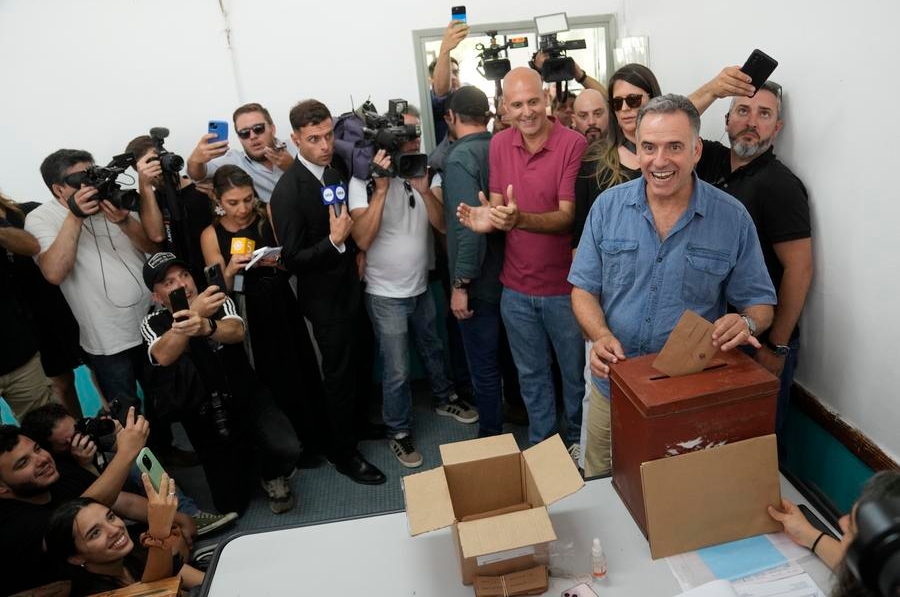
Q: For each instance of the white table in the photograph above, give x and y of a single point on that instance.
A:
(376, 556)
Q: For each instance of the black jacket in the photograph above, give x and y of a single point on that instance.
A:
(327, 280)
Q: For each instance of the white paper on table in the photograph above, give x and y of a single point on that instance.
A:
(691, 571)
(263, 253)
(716, 588)
(799, 585)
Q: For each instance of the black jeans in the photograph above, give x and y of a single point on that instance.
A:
(261, 440)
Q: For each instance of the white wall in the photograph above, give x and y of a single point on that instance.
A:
(95, 73)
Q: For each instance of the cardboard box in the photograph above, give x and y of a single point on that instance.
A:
(712, 496)
(656, 416)
(491, 475)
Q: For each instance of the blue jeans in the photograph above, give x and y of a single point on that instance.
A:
(391, 320)
(481, 340)
(117, 375)
(534, 324)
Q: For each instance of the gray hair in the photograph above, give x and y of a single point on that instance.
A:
(773, 88)
(671, 103)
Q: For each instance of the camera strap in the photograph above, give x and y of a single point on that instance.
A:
(73, 207)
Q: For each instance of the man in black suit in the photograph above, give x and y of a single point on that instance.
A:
(317, 248)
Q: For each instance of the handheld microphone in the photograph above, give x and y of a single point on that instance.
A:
(334, 193)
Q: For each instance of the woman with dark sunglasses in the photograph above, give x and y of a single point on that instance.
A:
(613, 160)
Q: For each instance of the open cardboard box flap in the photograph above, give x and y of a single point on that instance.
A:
(549, 475)
(553, 482)
(478, 449)
(428, 504)
(504, 532)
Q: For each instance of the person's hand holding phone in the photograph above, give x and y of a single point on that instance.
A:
(205, 304)
(161, 505)
(456, 32)
(279, 155)
(207, 150)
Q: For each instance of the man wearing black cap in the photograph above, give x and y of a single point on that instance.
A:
(475, 259)
(201, 373)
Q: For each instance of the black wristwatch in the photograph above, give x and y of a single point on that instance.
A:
(780, 350)
(213, 326)
(461, 284)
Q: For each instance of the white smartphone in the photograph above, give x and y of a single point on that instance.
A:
(580, 590)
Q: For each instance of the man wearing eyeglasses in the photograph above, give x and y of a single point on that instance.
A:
(779, 205)
(392, 223)
(265, 157)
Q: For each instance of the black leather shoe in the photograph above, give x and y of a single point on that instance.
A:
(359, 470)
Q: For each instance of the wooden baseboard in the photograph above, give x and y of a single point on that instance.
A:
(855, 441)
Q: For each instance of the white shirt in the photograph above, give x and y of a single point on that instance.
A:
(105, 288)
(397, 262)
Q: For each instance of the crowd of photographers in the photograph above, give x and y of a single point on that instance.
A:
(265, 359)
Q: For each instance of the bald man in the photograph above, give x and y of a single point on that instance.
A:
(533, 166)
(591, 115)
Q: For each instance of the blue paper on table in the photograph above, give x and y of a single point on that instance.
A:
(738, 559)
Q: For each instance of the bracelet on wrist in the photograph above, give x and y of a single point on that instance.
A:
(816, 542)
(580, 80)
(148, 540)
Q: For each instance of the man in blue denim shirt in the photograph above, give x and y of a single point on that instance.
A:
(656, 246)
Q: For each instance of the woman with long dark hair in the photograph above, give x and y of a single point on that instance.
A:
(279, 341)
(882, 487)
(93, 545)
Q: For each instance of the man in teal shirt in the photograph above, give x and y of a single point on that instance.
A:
(475, 259)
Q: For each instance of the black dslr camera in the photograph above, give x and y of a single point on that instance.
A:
(389, 132)
(557, 67)
(171, 163)
(101, 431)
(104, 179)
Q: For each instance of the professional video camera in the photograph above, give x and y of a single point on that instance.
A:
(389, 132)
(170, 162)
(491, 65)
(557, 67)
(874, 555)
(104, 180)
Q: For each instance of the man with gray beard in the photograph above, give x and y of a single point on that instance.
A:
(778, 203)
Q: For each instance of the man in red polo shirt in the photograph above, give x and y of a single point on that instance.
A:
(533, 167)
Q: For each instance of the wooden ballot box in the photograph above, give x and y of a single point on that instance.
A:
(654, 415)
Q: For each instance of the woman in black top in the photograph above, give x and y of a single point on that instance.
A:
(282, 352)
(92, 542)
(613, 159)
